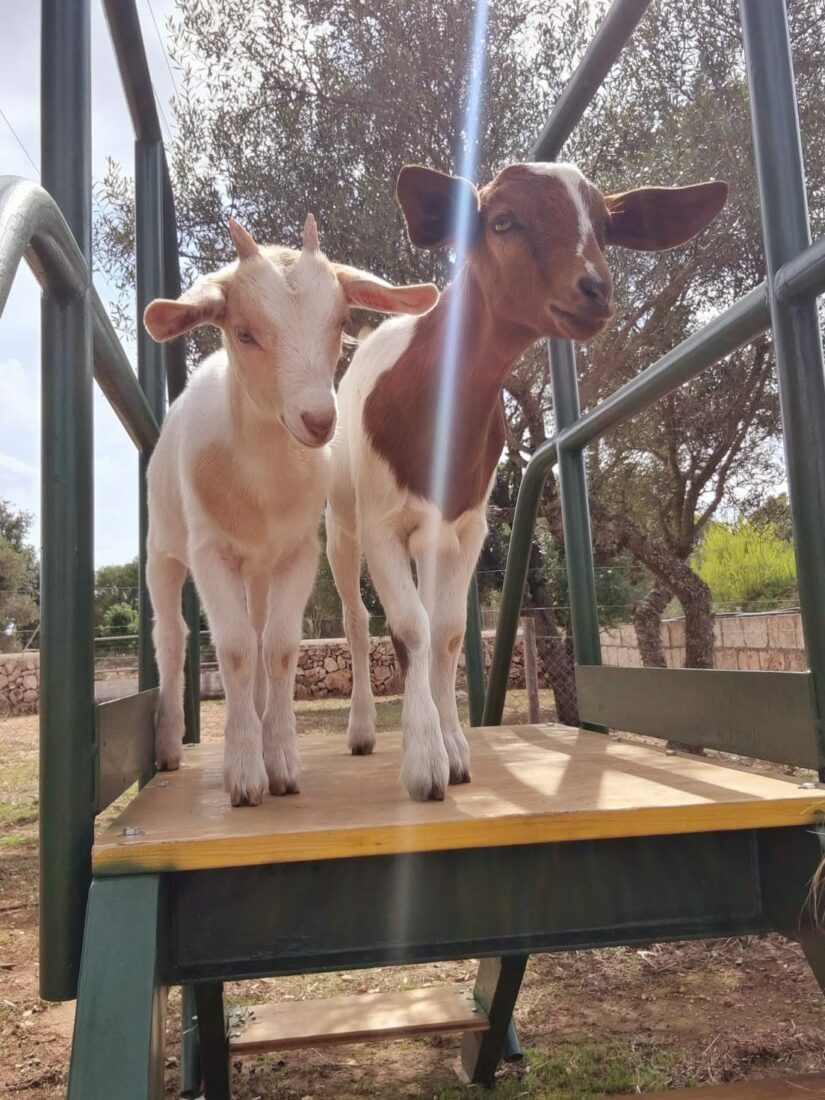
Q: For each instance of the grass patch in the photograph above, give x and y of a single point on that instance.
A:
(580, 1071)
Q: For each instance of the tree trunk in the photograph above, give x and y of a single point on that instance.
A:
(674, 573)
(647, 619)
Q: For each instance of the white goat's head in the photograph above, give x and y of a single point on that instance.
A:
(283, 314)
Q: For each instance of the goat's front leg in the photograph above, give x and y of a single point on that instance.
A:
(444, 579)
(288, 594)
(425, 769)
(221, 588)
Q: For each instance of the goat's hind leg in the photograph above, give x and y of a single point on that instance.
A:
(345, 562)
(165, 577)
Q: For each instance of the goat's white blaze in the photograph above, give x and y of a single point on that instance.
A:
(574, 183)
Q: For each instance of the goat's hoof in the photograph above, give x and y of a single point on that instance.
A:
(283, 767)
(167, 762)
(246, 780)
(282, 786)
(360, 742)
(458, 753)
(425, 775)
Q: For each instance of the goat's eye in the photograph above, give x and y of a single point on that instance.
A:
(502, 224)
(245, 336)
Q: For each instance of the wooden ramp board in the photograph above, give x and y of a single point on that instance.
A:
(354, 1019)
(531, 784)
(776, 1088)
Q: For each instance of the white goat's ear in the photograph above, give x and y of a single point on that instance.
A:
(243, 241)
(202, 304)
(365, 291)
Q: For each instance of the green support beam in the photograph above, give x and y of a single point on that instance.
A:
(796, 334)
(67, 767)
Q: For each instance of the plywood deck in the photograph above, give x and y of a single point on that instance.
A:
(779, 1088)
(530, 784)
(362, 1017)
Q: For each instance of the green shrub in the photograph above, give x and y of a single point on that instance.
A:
(747, 567)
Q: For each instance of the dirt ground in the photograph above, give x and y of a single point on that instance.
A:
(621, 1020)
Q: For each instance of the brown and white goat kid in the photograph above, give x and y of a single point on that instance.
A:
(535, 267)
(237, 485)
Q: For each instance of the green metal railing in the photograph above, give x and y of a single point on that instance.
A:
(51, 226)
(784, 303)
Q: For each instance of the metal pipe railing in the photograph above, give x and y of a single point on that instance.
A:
(797, 339)
(615, 31)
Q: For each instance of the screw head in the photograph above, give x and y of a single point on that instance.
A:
(131, 830)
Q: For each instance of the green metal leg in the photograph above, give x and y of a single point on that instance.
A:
(190, 1061)
(213, 1040)
(496, 989)
(118, 1047)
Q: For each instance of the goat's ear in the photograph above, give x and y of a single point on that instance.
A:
(431, 202)
(368, 292)
(202, 304)
(655, 218)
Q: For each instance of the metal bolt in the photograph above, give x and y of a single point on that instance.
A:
(670, 752)
(131, 830)
(163, 783)
(808, 785)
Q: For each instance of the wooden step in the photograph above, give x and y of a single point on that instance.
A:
(775, 1088)
(531, 785)
(354, 1019)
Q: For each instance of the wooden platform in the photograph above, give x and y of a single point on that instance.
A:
(353, 1019)
(530, 784)
(777, 1088)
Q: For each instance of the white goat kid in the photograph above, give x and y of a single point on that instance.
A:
(237, 484)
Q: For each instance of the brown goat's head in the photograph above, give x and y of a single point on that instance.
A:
(538, 234)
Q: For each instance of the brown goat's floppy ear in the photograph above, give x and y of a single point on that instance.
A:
(431, 202)
(202, 304)
(365, 291)
(655, 218)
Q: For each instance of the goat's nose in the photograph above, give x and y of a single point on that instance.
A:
(596, 291)
(318, 424)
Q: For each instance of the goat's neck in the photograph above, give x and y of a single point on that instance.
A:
(488, 342)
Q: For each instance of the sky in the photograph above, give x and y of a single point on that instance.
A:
(116, 469)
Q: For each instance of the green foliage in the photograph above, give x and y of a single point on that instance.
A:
(747, 567)
(775, 513)
(115, 584)
(120, 619)
(19, 579)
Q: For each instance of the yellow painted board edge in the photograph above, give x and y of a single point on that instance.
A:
(145, 855)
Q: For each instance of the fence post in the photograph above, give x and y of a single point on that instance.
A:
(531, 667)
(474, 655)
(796, 334)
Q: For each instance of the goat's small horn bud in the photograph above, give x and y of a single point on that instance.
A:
(243, 241)
(311, 242)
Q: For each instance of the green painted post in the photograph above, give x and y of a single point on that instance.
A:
(474, 655)
(67, 568)
(797, 338)
(149, 284)
(578, 544)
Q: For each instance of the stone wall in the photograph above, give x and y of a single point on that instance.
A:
(19, 683)
(772, 642)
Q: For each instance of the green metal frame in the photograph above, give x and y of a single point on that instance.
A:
(51, 228)
(784, 302)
